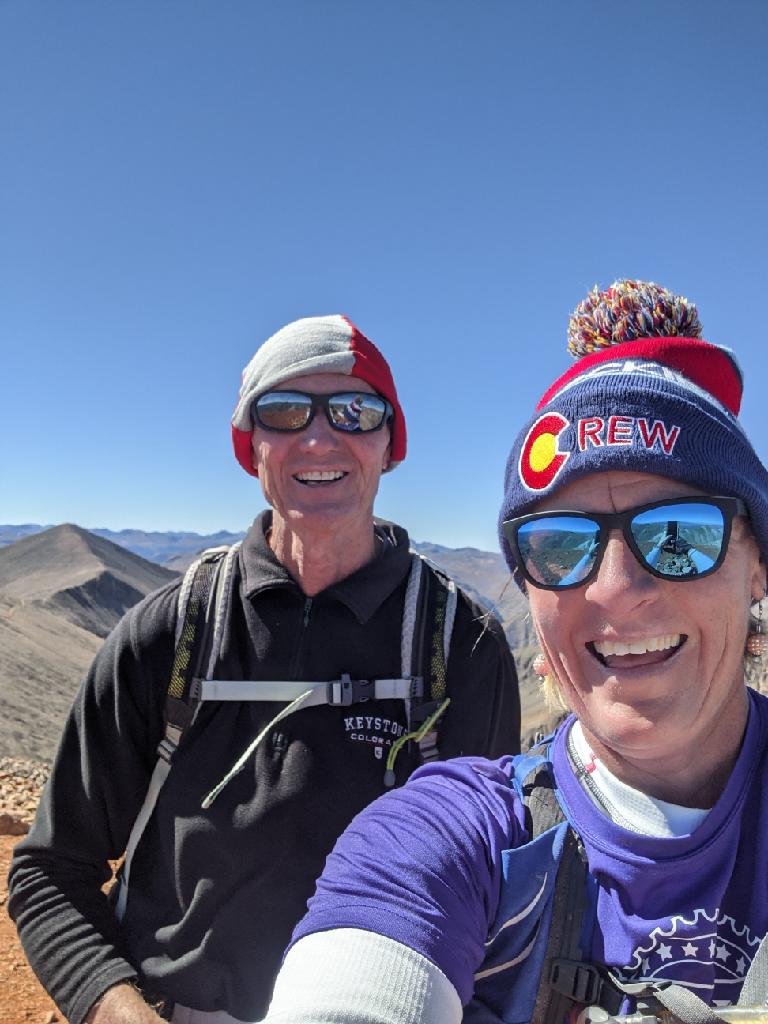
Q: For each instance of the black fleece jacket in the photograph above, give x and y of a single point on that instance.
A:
(215, 893)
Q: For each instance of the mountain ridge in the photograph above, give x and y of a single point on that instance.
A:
(483, 574)
(88, 579)
(153, 545)
(61, 592)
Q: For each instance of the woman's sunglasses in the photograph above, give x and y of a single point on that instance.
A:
(349, 411)
(679, 539)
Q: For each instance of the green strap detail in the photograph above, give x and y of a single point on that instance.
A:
(437, 658)
(420, 733)
(183, 656)
(200, 589)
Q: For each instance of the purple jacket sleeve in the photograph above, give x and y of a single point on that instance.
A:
(422, 865)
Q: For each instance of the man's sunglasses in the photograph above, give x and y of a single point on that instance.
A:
(352, 412)
(679, 539)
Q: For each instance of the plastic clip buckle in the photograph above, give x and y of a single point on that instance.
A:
(345, 691)
(578, 981)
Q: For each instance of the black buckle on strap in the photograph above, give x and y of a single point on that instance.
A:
(345, 691)
(421, 712)
(578, 981)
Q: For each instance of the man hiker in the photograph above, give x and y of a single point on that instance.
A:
(235, 722)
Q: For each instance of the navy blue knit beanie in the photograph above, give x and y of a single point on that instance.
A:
(646, 394)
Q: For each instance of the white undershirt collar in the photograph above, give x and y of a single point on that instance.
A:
(628, 807)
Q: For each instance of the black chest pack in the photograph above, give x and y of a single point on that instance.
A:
(573, 989)
(204, 602)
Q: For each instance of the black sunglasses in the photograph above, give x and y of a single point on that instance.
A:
(352, 412)
(679, 539)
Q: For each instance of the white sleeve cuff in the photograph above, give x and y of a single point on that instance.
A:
(352, 976)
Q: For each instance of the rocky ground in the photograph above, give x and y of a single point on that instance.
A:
(21, 782)
(22, 1000)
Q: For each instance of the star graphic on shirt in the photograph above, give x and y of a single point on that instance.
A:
(646, 965)
(712, 948)
(741, 964)
(722, 953)
(689, 949)
(665, 951)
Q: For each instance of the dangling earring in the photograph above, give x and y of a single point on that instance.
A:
(757, 641)
(541, 666)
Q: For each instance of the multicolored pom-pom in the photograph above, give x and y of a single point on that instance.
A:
(629, 310)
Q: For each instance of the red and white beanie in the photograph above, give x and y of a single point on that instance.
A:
(316, 344)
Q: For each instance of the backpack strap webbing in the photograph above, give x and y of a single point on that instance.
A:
(194, 640)
(430, 599)
(553, 1003)
(203, 597)
(565, 978)
(433, 628)
(542, 810)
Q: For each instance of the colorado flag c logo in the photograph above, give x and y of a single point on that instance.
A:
(540, 459)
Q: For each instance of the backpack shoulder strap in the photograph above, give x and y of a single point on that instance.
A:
(203, 595)
(564, 978)
(535, 784)
(567, 978)
(203, 599)
(426, 642)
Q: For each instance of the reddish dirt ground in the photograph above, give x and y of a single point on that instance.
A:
(22, 1000)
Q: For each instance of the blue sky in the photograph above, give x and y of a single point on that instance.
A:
(180, 178)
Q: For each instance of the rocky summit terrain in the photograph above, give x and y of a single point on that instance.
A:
(22, 999)
(21, 783)
(61, 591)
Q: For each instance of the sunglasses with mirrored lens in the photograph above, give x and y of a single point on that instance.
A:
(679, 539)
(352, 412)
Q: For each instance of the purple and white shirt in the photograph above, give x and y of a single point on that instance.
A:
(445, 868)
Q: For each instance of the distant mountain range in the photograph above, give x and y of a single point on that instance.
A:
(62, 589)
(483, 574)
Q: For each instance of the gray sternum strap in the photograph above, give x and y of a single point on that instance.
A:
(338, 692)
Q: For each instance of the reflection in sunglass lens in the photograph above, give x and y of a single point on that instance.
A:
(560, 550)
(284, 410)
(349, 411)
(355, 411)
(680, 540)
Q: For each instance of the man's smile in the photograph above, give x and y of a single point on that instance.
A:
(317, 476)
